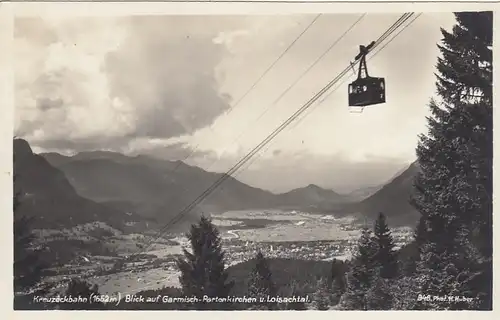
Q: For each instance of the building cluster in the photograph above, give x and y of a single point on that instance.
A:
(318, 250)
(236, 251)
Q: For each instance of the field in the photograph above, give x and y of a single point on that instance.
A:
(278, 234)
(276, 226)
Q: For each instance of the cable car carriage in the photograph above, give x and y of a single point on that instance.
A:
(365, 90)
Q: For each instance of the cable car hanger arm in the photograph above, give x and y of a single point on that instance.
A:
(363, 51)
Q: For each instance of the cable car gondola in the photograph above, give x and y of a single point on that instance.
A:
(366, 90)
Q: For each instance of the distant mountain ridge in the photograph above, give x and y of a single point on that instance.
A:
(46, 194)
(312, 195)
(156, 188)
(104, 185)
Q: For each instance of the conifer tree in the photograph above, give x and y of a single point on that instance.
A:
(261, 284)
(408, 266)
(337, 280)
(379, 295)
(81, 289)
(203, 269)
(454, 190)
(405, 292)
(419, 235)
(385, 258)
(338, 288)
(322, 296)
(366, 250)
(439, 276)
(360, 275)
(465, 70)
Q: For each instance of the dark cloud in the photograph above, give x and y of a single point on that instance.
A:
(167, 72)
(160, 82)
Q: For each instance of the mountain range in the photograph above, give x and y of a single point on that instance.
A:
(103, 185)
(115, 188)
(158, 189)
(45, 193)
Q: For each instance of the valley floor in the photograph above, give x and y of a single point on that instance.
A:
(277, 234)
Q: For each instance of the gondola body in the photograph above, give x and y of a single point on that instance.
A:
(366, 90)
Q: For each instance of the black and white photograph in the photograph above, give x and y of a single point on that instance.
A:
(261, 162)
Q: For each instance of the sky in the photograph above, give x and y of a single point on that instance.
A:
(172, 87)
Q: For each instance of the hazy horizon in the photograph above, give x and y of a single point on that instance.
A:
(276, 191)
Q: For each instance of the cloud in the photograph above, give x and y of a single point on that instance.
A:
(280, 170)
(155, 85)
(168, 75)
(177, 151)
(101, 83)
(338, 172)
(62, 94)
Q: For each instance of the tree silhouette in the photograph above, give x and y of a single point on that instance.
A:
(203, 271)
(385, 258)
(79, 289)
(453, 192)
(379, 295)
(322, 296)
(361, 273)
(338, 284)
(260, 284)
(420, 232)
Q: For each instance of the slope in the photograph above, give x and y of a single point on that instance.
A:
(393, 200)
(157, 188)
(47, 195)
(152, 187)
(363, 193)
